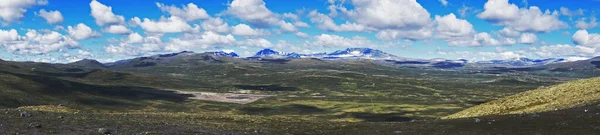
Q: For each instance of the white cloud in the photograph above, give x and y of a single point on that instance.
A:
(389, 14)
(570, 13)
(582, 37)
(34, 42)
(117, 29)
(478, 39)
(326, 40)
(8, 35)
(482, 56)
(582, 24)
(528, 38)
(257, 42)
(393, 34)
(450, 28)
(501, 12)
(291, 16)
(324, 22)
(14, 10)
(247, 31)
(104, 15)
(254, 12)
(52, 17)
(136, 45)
(444, 2)
(301, 24)
(200, 41)
(287, 27)
(302, 35)
(509, 32)
(552, 51)
(172, 24)
(216, 25)
(191, 12)
(82, 31)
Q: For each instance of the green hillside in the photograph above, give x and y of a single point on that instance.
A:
(562, 96)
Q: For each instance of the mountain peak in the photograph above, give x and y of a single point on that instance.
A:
(88, 63)
(223, 53)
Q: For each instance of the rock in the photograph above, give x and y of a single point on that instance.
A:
(397, 132)
(104, 131)
(489, 123)
(59, 105)
(60, 117)
(35, 125)
(477, 120)
(5, 112)
(25, 114)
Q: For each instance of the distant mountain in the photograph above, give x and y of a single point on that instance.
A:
(180, 58)
(88, 63)
(521, 62)
(231, 54)
(350, 53)
(582, 65)
(361, 53)
(269, 53)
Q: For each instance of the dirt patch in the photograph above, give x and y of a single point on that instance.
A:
(225, 97)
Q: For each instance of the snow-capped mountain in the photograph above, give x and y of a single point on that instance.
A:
(268, 53)
(361, 53)
(521, 62)
(350, 53)
(230, 54)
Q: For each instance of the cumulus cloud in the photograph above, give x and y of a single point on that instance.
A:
(117, 29)
(136, 45)
(302, 35)
(478, 39)
(393, 34)
(104, 15)
(14, 10)
(52, 17)
(287, 27)
(563, 50)
(256, 42)
(326, 40)
(509, 32)
(571, 13)
(190, 12)
(301, 24)
(82, 31)
(35, 42)
(216, 25)
(501, 12)
(172, 24)
(247, 31)
(324, 22)
(528, 38)
(449, 27)
(291, 16)
(582, 37)
(389, 14)
(200, 41)
(444, 2)
(583, 24)
(255, 12)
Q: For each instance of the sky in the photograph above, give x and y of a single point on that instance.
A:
(62, 31)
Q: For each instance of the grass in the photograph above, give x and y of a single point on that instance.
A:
(562, 96)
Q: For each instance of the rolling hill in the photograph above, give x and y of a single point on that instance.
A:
(557, 97)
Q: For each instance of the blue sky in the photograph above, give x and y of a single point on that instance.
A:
(108, 30)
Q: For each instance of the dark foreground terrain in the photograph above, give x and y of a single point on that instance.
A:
(580, 120)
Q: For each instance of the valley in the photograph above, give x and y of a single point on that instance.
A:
(217, 93)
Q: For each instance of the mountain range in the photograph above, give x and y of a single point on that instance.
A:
(377, 56)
